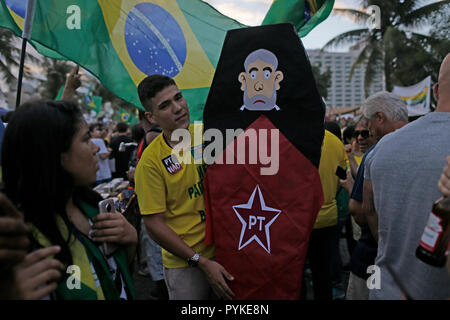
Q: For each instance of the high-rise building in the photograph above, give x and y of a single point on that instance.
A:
(343, 91)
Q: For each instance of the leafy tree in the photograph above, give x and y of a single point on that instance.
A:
(323, 80)
(56, 72)
(405, 55)
(10, 56)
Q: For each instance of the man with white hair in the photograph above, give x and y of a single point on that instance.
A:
(399, 191)
(384, 113)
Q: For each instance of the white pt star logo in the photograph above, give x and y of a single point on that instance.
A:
(256, 219)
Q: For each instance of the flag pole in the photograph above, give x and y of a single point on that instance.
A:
(26, 35)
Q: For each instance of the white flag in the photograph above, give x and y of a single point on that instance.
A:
(417, 97)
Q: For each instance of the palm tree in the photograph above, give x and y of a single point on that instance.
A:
(56, 72)
(323, 79)
(396, 46)
(9, 54)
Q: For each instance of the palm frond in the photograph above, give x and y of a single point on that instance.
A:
(356, 16)
(6, 72)
(427, 40)
(349, 37)
(360, 60)
(372, 66)
(421, 16)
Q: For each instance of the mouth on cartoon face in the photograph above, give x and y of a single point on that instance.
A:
(259, 98)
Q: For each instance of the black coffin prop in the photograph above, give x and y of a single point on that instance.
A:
(301, 111)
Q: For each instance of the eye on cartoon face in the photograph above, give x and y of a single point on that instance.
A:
(260, 81)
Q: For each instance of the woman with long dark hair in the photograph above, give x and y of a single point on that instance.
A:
(49, 164)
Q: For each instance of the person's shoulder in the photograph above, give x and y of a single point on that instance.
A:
(398, 138)
(114, 141)
(331, 141)
(332, 137)
(370, 153)
(370, 150)
(126, 139)
(152, 152)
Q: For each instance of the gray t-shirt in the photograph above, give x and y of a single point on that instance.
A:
(404, 168)
(103, 171)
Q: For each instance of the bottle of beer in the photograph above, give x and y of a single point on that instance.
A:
(434, 244)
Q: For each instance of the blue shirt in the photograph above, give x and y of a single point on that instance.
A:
(357, 191)
(365, 250)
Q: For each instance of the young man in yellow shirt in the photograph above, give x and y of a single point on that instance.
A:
(324, 234)
(170, 195)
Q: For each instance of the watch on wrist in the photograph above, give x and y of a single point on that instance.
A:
(193, 261)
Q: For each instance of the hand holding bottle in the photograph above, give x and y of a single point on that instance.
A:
(434, 244)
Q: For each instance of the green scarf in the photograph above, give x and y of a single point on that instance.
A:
(83, 252)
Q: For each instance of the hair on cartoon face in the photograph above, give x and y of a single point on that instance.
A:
(261, 54)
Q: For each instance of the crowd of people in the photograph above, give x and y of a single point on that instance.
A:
(50, 223)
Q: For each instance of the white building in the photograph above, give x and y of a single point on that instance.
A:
(343, 92)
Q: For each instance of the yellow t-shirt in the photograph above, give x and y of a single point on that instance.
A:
(333, 155)
(358, 159)
(176, 189)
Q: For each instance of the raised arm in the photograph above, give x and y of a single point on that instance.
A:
(73, 82)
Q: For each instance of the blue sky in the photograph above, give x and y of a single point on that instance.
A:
(252, 12)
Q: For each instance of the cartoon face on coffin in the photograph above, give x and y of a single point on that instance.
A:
(260, 81)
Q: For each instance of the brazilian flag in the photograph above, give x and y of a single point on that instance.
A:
(93, 103)
(122, 115)
(123, 41)
(304, 14)
(12, 17)
(134, 117)
(130, 117)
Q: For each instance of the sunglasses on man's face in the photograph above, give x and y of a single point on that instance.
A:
(364, 133)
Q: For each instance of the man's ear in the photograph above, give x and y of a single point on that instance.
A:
(278, 78)
(381, 117)
(242, 79)
(436, 91)
(150, 117)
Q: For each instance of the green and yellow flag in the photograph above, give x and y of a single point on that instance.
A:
(134, 117)
(304, 14)
(94, 103)
(123, 41)
(122, 115)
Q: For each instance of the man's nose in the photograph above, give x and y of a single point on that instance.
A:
(176, 107)
(259, 86)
